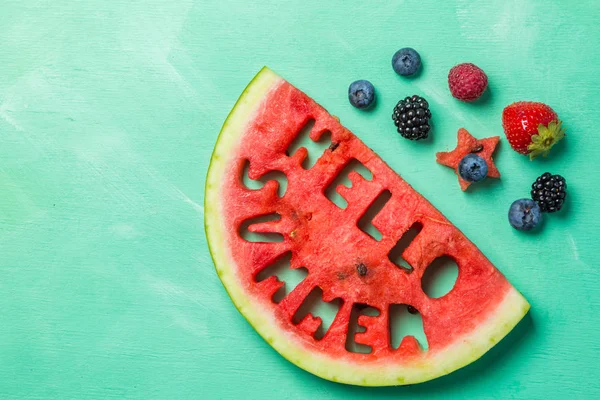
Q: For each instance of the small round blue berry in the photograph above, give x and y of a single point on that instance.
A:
(524, 214)
(472, 168)
(406, 61)
(361, 94)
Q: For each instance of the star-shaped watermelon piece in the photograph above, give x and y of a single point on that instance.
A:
(484, 148)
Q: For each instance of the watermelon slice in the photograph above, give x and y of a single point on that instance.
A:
(344, 264)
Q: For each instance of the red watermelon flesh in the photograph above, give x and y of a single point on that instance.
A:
(344, 262)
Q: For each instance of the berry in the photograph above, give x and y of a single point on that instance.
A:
(406, 61)
(411, 117)
(524, 214)
(531, 128)
(549, 191)
(361, 94)
(467, 82)
(472, 168)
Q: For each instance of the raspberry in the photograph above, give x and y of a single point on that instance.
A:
(467, 82)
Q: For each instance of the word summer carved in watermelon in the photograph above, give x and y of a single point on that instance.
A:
(346, 250)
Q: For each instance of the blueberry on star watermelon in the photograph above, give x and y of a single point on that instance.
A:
(467, 144)
(343, 262)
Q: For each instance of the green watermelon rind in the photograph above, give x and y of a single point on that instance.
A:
(462, 352)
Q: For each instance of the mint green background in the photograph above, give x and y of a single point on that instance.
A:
(108, 114)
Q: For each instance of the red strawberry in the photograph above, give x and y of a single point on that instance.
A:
(467, 81)
(531, 128)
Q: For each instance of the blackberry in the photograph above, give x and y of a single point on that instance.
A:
(411, 117)
(549, 191)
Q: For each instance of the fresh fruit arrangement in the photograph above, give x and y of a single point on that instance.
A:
(548, 194)
(345, 265)
(532, 129)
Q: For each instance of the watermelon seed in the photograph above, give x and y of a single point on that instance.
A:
(411, 309)
(333, 146)
(477, 148)
(361, 269)
(308, 216)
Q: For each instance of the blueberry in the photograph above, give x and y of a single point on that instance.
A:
(361, 94)
(406, 61)
(524, 214)
(472, 168)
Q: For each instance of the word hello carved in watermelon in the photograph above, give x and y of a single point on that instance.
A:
(299, 296)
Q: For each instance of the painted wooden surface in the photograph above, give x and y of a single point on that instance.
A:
(108, 115)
